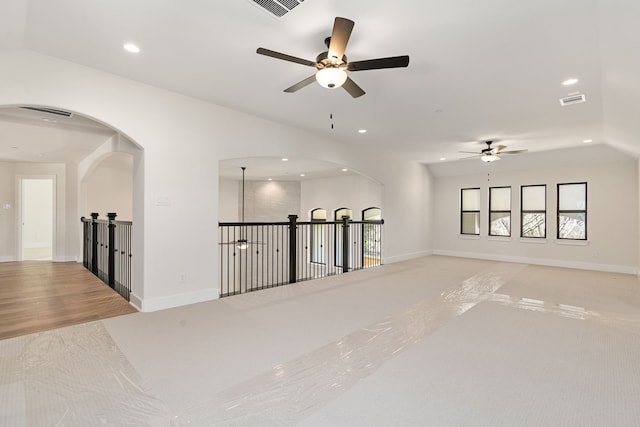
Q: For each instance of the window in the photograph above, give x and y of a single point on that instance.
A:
(533, 211)
(499, 211)
(572, 211)
(371, 235)
(338, 214)
(318, 235)
(470, 211)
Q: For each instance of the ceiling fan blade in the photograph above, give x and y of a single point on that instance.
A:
(353, 89)
(380, 63)
(512, 152)
(342, 28)
(470, 152)
(306, 82)
(284, 57)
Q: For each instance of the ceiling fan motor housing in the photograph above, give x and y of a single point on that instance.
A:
(323, 61)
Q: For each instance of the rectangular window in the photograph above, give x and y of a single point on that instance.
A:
(470, 211)
(500, 211)
(572, 211)
(533, 211)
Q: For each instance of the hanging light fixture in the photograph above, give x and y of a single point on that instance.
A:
(242, 243)
(331, 77)
(488, 158)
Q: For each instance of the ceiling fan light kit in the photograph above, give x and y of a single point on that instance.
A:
(333, 65)
(488, 158)
(331, 78)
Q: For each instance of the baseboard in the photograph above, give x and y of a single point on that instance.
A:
(171, 301)
(65, 259)
(55, 259)
(609, 268)
(405, 257)
(135, 301)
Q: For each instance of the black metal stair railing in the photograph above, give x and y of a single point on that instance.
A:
(256, 255)
(106, 251)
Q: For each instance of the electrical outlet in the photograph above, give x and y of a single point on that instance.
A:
(182, 278)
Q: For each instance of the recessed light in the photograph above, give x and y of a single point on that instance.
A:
(443, 158)
(130, 47)
(570, 82)
(586, 141)
(301, 174)
(270, 179)
(362, 131)
(344, 169)
(284, 159)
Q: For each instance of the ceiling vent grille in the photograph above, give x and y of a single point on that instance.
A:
(49, 111)
(574, 99)
(277, 8)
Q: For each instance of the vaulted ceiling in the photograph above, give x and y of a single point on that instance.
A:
(479, 69)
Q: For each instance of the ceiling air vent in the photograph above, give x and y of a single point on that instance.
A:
(49, 111)
(278, 8)
(573, 99)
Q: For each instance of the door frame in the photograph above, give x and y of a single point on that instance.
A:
(19, 212)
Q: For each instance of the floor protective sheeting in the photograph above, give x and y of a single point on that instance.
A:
(74, 376)
(453, 357)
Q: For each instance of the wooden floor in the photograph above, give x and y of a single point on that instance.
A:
(38, 296)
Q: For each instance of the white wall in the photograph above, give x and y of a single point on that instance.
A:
(179, 193)
(7, 212)
(612, 212)
(265, 201)
(270, 201)
(351, 191)
(110, 190)
(228, 200)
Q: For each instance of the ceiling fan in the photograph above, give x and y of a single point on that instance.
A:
(491, 154)
(333, 65)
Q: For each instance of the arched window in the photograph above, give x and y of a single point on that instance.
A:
(318, 214)
(371, 237)
(318, 235)
(371, 213)
(338, 214)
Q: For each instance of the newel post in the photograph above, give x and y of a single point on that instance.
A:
(345, 244)
(292, 248)
(94, 243)
(111, 250)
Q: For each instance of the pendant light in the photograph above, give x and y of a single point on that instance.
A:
(242, 241)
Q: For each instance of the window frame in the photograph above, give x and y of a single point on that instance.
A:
(462, 211)
(317, 224)
(337, 236)
(574, 211)
(523, 211)
(500, 211)
(365, 241)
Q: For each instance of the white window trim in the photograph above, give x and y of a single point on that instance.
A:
(572, 242)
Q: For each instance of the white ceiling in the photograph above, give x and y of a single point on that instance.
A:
(36, 136)
(480, 69)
